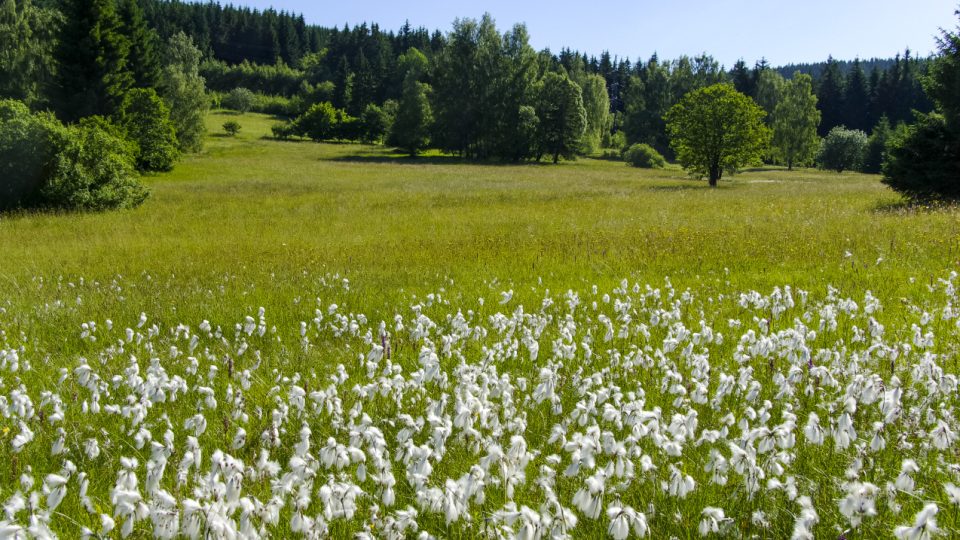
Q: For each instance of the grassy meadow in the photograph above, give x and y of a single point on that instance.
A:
(473, 268)
(264, 212)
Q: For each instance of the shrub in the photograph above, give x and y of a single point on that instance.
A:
(612, 154)
(348, 127)
(923, 161)
(283, 130)
(375, 123)
(28, 147)
(94, 170)
(232, 128)
(319, 122)
(644, 156)
(146, 120)
(842, 149)
(239, 99)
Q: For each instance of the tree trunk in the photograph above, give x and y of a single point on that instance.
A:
(715, 173)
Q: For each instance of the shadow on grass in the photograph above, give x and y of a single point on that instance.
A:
(692, 186)
(907, 206)
(398, 158)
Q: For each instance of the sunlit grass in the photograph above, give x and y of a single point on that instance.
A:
(254, 222)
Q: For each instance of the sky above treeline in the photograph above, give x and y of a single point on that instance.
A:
(783, 32)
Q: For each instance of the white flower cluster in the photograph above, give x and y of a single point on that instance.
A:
(639, 412)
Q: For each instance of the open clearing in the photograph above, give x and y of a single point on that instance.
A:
(484, 264)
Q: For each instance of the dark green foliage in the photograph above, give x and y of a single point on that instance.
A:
(375, 124)
(273, 79)
(943, 84)
(183, 90)
(146, 121)
(842, 150)
(94, 170)
(283, 130)
(348, 128)
(830, 97)
(231, 128)
(644, 156)
(923, 162)
(28, 147)
(239, 99)
(562, 117)
(411, 128)
(877, 147)
(717, 129)
(27, 44)
(144, 51)
(318, 123)
(856, 100)
(480, 81)
(93, 73)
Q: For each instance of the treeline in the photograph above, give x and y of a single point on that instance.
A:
(276, 53)
(90, 97)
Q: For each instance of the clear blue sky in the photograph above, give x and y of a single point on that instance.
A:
(782, 31)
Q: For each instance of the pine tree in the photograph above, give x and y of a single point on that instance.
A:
(857, 99)
(92, 55)
(830, 97)
(144, 56)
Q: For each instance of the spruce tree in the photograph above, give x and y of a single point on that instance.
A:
(857, 99)
(144, 56)
(830, 97)
(94, 73)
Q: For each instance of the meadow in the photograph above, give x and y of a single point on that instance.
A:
(332, 339)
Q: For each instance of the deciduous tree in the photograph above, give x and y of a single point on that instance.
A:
(562, 116)
(795, 122)
(717, 129)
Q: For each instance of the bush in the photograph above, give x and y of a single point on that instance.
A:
(28, 147)
(375, 123)
(876, 152)
(923, 161)
(146, 120)
(842, 149)
(283, 130)
(644, 156)
(94, 170)
(239, 99)
(274, 105)
(318, 123)
(232, 128)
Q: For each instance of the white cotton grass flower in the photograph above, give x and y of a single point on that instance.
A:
(712, 521)
(623, 520)
(953, 493)
(589, 498)
(859, 502)
(905, 481)
(806, 519)
(924, 525)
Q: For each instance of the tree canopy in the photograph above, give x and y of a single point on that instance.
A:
(717, 129)
(795, 122)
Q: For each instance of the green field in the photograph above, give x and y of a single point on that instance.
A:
(295, 226)
(266, 211)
